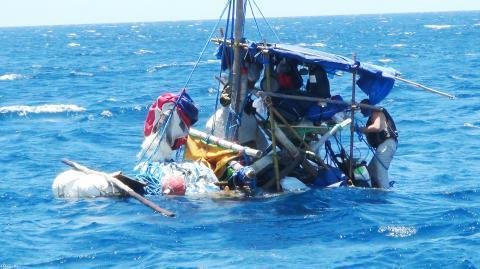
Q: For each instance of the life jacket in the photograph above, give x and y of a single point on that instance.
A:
(288, 76)
(390, 131)
(289, 81)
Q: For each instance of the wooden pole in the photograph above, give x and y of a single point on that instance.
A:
(425, 87)
(121, 186)
(352, 118)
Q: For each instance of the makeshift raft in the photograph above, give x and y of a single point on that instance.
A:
(276, 121)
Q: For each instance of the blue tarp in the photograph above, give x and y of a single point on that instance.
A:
(374, 80)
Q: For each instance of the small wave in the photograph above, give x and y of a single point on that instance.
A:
(73, 45)
(397, 231)
(385, 60)
(72, 35)
(157, 67)
(49, 108)
(437, 26)
(399, 45)
(317, 44)
(90, 31)
(81, 74)
(142, 52)
(106, 114)
(185, 64)
(10, 77)
(467, 124)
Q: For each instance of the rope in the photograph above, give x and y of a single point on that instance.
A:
(255, 20)
(206, 44)
(270, 27)
(227, 59)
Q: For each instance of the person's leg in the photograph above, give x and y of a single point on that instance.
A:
(378, 166)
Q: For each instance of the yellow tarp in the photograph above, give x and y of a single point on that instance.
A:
(212, 156)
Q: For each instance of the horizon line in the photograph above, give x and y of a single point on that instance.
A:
(248, 17)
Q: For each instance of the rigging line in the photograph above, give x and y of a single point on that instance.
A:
(206, 44)
(255, 20)
(224, 54)
(271, 29)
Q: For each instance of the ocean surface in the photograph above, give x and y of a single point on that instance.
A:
(82, 92)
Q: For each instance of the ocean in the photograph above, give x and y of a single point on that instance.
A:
(82, 93)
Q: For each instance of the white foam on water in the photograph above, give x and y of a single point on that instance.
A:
(73, 45)
(438, 26)
(162, 66)
(72, 35)
(157, 67)
(399, 45)
(81, 74)
(385, 60)
(23, 110)
(106, 114)
(467, 124)
(143, 51)
(10, 77)
(397, 231)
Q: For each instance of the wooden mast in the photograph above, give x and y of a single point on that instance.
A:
(238, 38)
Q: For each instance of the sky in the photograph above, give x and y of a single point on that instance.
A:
(60, 12)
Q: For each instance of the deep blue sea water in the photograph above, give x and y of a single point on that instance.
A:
(82, 92)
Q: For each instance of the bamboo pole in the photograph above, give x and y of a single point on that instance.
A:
(317, 99)
(121, 186)
(352, 118)
(332, 131)
(418, 85)
(290, 128)
(273, 130)
(225, 143)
